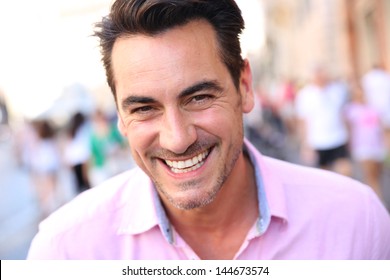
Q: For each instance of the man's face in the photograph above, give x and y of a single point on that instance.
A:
(180, 111)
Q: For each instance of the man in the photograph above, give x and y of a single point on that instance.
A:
(201, 191)
(322, 128)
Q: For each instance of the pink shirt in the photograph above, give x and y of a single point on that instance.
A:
(304, 214)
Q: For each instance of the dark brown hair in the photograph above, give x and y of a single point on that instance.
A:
(151, 17)
(77, 120)
(44, 129)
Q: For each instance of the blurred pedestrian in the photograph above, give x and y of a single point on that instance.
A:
(25, 136)
(45, 163)
(265, 128)
(322, 127)
(285, 105)
(5, 131)
(253, 121)
(106, 143)
(3, 110)
(376, 86)
(77, 150)
(367, 138)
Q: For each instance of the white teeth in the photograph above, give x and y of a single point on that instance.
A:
(176, 170)
(181, 164)
(195, 160)
(187, 165)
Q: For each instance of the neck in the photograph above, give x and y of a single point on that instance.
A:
(218, 229)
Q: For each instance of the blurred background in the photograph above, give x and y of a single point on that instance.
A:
(58, 133)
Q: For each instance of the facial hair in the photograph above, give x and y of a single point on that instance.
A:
(223, 172)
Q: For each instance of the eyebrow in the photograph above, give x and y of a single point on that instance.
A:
(201, 86)
(134, 99)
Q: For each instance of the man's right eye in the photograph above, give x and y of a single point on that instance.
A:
(142, 110)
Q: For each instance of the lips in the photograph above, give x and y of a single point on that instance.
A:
(188, 165)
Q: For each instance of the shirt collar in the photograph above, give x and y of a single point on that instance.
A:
(264, 212)
(269, 191)
(139, 213)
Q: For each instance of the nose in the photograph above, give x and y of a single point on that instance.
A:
(177, 132)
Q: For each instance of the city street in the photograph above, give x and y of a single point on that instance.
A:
(19, 212)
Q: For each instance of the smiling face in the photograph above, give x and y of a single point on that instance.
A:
(181, 112)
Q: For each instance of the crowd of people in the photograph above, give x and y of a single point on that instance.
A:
(337, 125)
(86, 147)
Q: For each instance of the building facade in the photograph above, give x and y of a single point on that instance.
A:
(347, 37)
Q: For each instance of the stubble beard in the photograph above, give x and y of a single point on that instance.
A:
(204, 198)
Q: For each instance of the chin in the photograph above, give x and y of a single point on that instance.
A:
(193, 199)
(191, 204)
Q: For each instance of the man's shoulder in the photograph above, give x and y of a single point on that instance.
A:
(340, 212)
(313, 192)
(305, 187)
(103, 215)
(303, 182)
(101, 203)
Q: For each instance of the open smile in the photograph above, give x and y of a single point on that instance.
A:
(192, 164)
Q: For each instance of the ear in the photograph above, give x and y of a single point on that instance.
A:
(121, 126)
(246, 89)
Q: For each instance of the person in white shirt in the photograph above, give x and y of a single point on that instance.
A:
(323, 131)
(78, 150)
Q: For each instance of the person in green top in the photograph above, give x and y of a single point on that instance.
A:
(106, 143)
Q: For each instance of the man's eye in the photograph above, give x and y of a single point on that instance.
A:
(142, 110)
(201, 98)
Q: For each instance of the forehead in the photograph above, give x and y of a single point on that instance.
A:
(169, 60)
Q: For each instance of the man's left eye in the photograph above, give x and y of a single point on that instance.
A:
(200, 98)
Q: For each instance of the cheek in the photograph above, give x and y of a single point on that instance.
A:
(141, 137)
(138, 148)
(221, 122)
